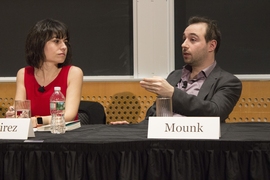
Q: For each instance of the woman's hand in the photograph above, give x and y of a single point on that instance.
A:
(10, 112)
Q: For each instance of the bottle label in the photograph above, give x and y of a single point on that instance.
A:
(57, 105)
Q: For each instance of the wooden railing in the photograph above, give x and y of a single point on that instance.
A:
(128, 101)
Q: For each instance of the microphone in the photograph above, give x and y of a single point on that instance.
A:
(41, 89)
(184, 84)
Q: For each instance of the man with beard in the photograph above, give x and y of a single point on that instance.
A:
(201, 88)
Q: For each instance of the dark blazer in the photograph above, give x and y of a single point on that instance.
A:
(217, 96)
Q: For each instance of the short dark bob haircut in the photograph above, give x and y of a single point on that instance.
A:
(39, 35)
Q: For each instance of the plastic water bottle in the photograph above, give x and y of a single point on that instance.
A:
(57, 108)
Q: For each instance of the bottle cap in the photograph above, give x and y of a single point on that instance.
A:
(57, 88)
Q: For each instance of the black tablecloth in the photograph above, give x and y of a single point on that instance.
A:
(123, 152)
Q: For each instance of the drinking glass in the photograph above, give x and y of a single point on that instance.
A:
(22, 108)
(163, 106)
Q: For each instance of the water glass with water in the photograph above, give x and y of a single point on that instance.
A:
(22, 108)
(164, 106)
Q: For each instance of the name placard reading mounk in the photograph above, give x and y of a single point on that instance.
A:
(184, 128)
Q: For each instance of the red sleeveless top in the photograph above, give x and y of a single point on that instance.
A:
(40, 101)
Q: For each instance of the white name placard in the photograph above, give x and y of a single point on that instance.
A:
(184, 128)
(16, 128)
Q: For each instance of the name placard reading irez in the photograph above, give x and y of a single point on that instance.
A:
(16, 128)
(184, 128)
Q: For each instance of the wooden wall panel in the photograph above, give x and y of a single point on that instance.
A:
(7, 93)
(121, 100)
(128, 101)
(254, 103)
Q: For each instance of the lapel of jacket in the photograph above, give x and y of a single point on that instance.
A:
(209, 82)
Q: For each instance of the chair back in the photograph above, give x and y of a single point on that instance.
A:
(91, 112)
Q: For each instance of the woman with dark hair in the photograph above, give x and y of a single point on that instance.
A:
(48, 55)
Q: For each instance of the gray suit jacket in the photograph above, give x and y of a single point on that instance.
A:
(217, 96)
